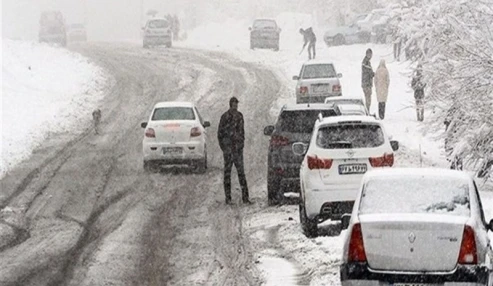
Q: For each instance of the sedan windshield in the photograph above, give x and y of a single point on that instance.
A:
(260, 24)
(173, 113)
(416, 194)
(318, 71)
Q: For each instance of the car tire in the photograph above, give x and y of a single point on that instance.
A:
(339, 40)
(202, 165)
(273, 188)
(309, 226)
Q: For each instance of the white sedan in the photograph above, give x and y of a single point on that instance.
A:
(417, 227)
(175, 135)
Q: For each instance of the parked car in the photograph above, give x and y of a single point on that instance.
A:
(77, 33)
(294, 124)
(175, 134)
(52, 28)
(348, 105)
(341, 150)
(157, 32)
(317, 81)
(346, 35)
(417, 227)
(264, 33)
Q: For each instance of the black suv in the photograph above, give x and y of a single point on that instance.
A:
(294, 124)
(264, 34)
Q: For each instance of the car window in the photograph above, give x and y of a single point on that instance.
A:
(318, 71)
(158, 24)
(173, 113)
(301, 121)
(416, 194)
(264, 24)
(346, 136)
(483, 219)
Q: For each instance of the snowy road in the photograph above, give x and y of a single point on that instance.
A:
(83, 212)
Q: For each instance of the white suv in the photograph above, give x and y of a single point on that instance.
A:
(175, 135)
(341, 150)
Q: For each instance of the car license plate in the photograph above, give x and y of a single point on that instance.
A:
(172, 150)
(320, 88)
(352, 169)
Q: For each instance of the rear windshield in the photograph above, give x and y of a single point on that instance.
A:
(173, 113)
(416, 194)
(346, 136)
(318, 71)
(264, 24)
(158, 24)
(302, 121)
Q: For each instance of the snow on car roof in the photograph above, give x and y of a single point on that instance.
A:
(174, 104)
(317, 62)
(343, 97)
(428, 172)
(308, 106)
(346, 118)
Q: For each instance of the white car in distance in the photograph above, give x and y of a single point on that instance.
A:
(417, 227)
(316, 81)
(175, 135)
(342, 149)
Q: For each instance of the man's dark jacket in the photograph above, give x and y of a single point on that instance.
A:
(231, 132)
(366, 73)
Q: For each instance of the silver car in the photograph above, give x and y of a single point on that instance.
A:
(317, 81)
(417, 227)
(157, 32)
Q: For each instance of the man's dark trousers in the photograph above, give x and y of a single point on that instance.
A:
(236, 158)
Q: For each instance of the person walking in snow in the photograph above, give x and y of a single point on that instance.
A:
(231, 137)
(397, 40)
(367, 75)
(310, 39)
(418, 86)
(382, 82)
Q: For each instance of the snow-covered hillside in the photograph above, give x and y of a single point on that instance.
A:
(45, 90)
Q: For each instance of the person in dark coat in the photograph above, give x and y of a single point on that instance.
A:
(231, 137)
(310, 39)
(367, 75)
(418, 86)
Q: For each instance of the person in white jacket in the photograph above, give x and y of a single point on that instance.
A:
(382, 82)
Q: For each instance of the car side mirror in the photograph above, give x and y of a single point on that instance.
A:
(346, 218)
(143, 124)
(207, 124)
(299, 148)
(295, 77)
(268, 130)
(339, 75)
(394, 144)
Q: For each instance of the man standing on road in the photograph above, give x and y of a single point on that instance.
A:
(231, 137)
(367, 75)
(309, 37)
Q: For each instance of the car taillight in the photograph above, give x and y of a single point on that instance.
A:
(356, 252)
(468, 253)
(336, 88)
(318, 163)
(387, 160)
(195, 132)
(279, 141)
(150, 133)
(303, 89)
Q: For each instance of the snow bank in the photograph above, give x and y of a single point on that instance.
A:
(45, 90)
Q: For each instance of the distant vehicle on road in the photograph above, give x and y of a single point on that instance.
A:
(77, 33)
(417, 227)
(157, 32)
(175, 134)
(294, 124)
(265, 33)
(341, 150)
(52, 28)
(350, 34)
(317, 81)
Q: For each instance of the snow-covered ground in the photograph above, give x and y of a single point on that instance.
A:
(285, 255)
(45, 89)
